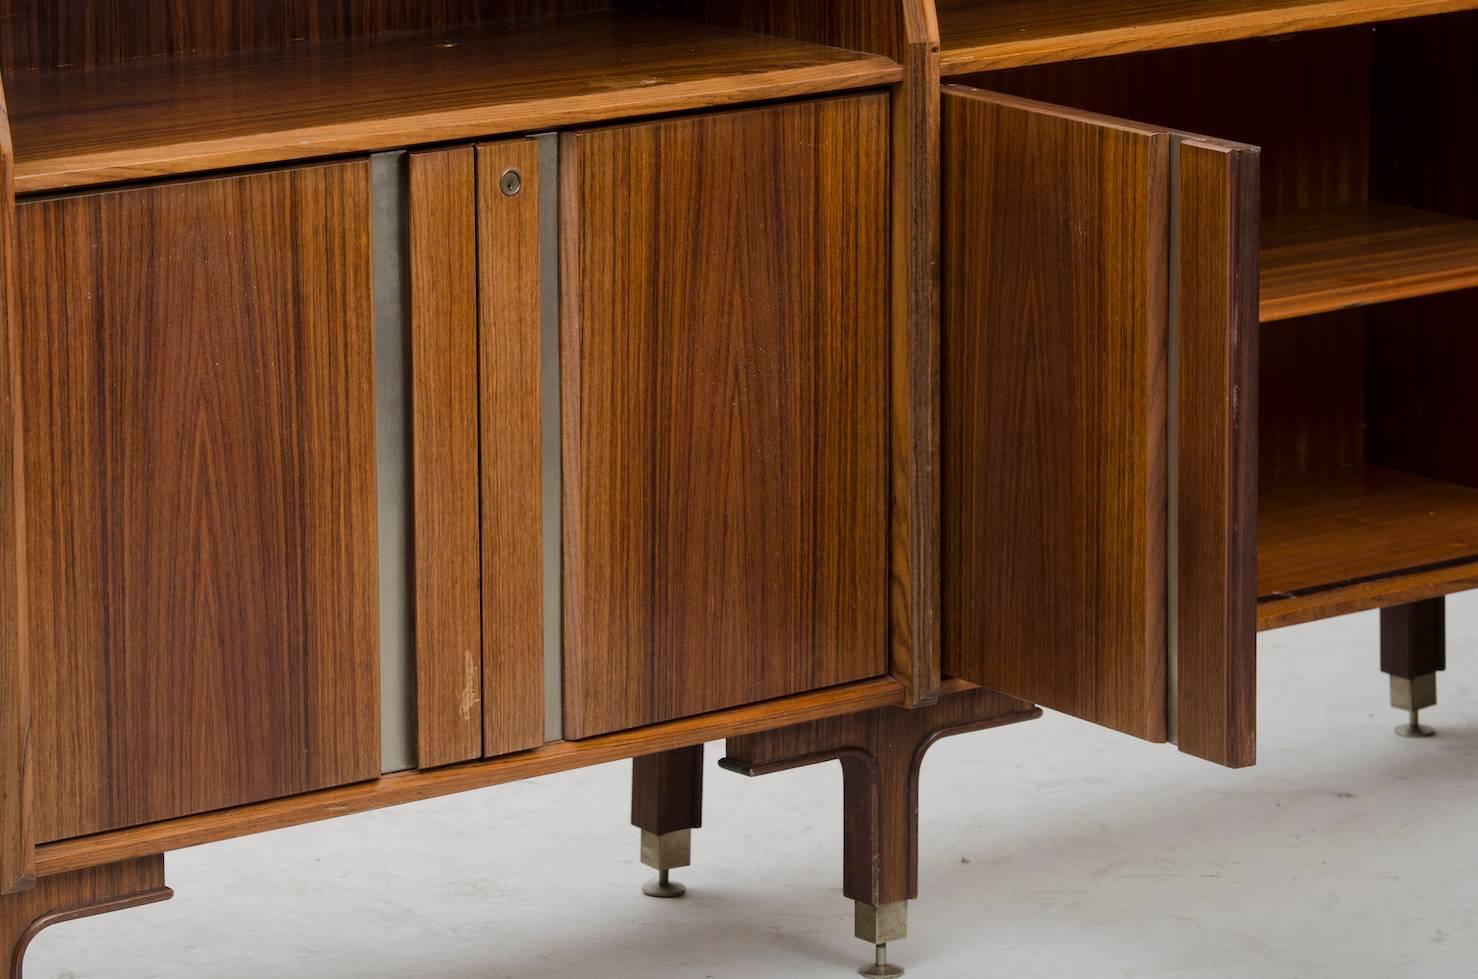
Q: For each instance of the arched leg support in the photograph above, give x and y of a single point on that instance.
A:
(1413, 647)
(667, 805)
(64, 897)
(880, 751)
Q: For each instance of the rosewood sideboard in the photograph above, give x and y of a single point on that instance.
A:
(403, 398)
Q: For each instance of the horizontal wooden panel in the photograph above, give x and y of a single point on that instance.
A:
(200, 442)
(165, 116)
(413, 786)
(1325, 260)
(1370, 538)
(979, 35)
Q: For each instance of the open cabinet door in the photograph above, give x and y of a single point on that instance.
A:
(1098, 319)
(17, 851)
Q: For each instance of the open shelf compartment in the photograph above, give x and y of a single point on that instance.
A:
(1367, 538)
(162, 116)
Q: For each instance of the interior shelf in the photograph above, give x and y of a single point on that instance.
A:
(982, 35)
(1318, 262)
(76, 127)
(1365, 539)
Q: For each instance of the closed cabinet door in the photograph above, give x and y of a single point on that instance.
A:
(1099, 334)
(200, 488)
(723, 359)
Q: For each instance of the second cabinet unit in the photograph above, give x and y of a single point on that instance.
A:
(723, 347)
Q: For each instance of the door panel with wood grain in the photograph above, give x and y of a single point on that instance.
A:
(724, 352)
(1064, 441)
(200, 446)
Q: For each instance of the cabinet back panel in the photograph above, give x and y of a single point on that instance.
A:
(1304, 99)
(723, 351)
(1312, 390)
(87, 33)
(1424, 354)
(199, 442)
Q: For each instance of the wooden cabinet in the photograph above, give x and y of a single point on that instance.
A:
(200, 486)
(1099, 336)
(724, 327)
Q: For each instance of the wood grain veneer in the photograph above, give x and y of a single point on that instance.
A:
(200, 453)
(724, 328)
(1366, 539)
(444, 455)
(77, 894)
(169, 116)
(509, 274)
(908, 32)
(1055, 401)
(1216, 451)
(393, 790)
(979, 35)
(1360, 254)
(17, 845)
(88, 33)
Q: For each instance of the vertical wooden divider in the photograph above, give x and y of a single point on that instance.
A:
(17, 846)
(444, 423)
(509, 277)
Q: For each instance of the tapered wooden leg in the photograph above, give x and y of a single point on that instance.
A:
(1413, 648)
(113, 887)
(880, 752)
(667, 805)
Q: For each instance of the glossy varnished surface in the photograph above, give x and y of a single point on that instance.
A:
(983, 34)
(16, 850)
(1215, 451)
(1360, 254)
(165, 116)
(512, 478)
(444, 456)
(1054, 323)
(56, 33)
(724, 330)
(393, 790)
(200, 456)
(1369, 538)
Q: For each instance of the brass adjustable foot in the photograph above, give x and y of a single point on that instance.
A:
(1412, 695)
(879, 926)
(664, 852)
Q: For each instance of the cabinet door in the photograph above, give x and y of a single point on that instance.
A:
(724, 320)
(200, 472)
(1099, 318)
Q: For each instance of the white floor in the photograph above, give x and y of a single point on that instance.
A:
(1050, 849)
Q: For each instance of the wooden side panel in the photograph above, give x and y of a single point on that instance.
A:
(200, 452)
(86, 33)
(444, 448)
(17, 845)
(509, 274)
(1216, 579)
(724, 329)
(913, 389)
(1054, 330)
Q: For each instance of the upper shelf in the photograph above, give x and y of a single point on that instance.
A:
(983, 35)
(1321, 261)
(79, 127)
